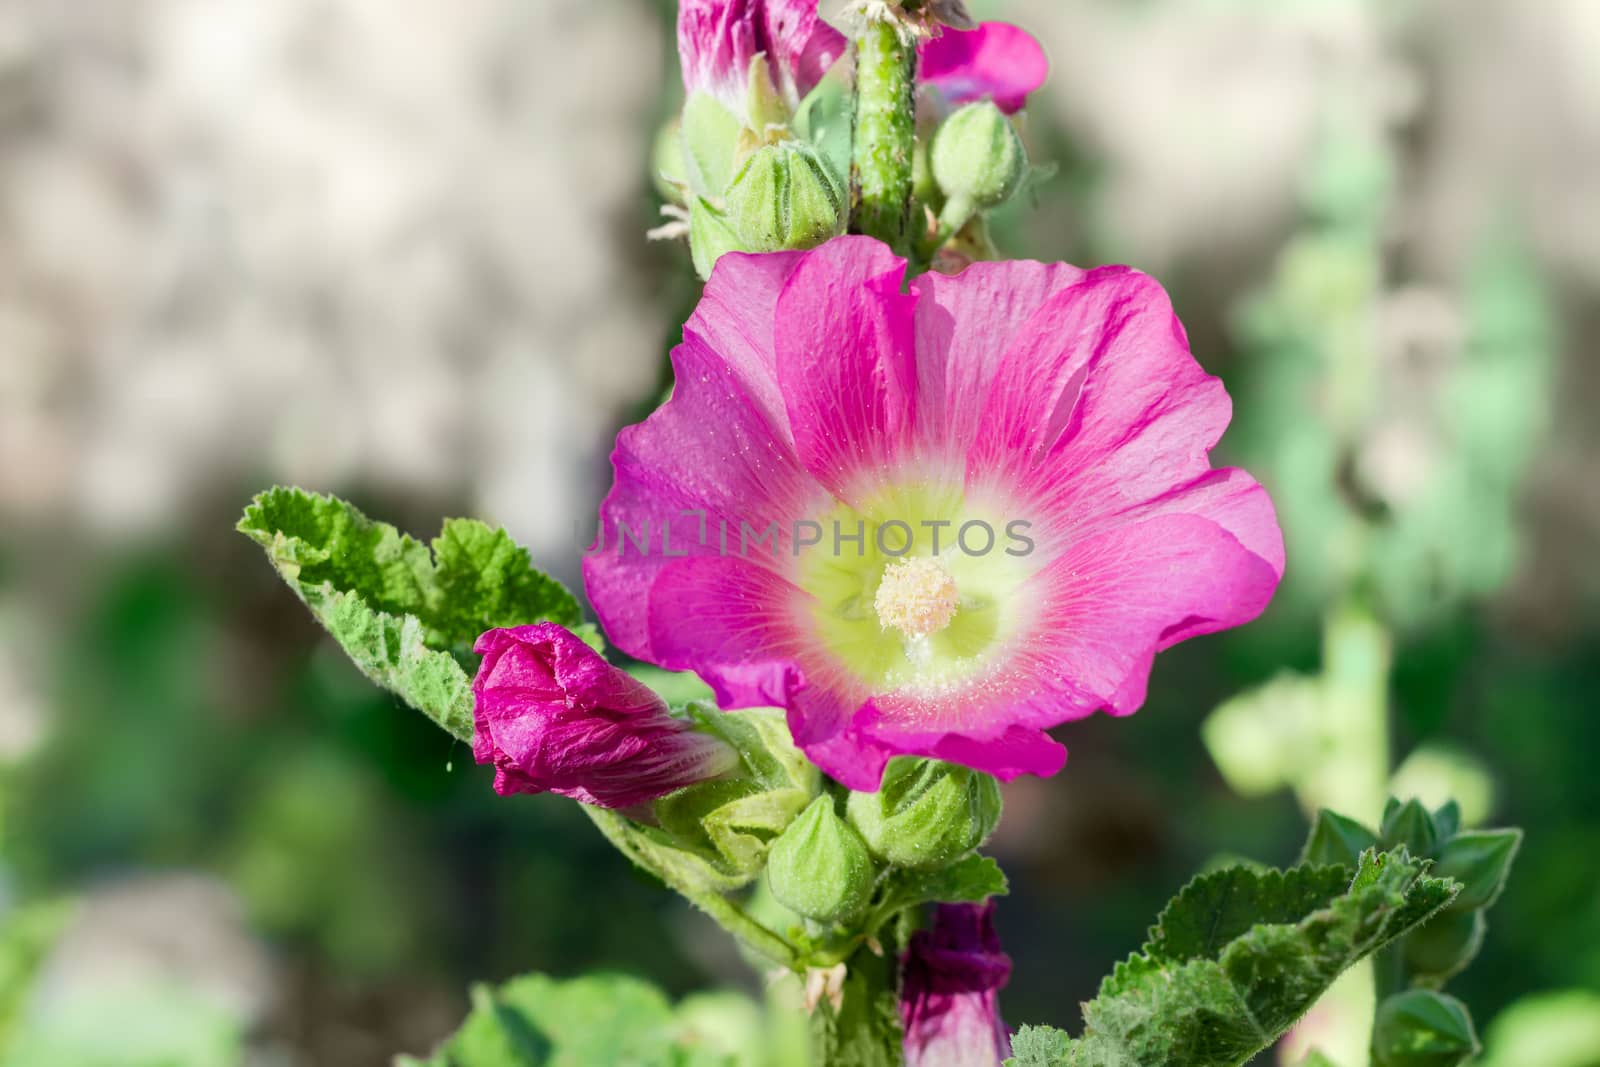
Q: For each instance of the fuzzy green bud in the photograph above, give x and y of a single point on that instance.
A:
(926, 813)
(977, 157)
(819, 867)
(785, 197)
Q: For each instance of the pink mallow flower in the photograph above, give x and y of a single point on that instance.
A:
(950, 977)
(932, 521)
(553, 716)
(719, 39)
(995, 61)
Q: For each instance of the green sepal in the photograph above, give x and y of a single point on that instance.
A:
(1409, 824)
(1336, 839)
(1481, 861)
(728, 823)
(710, 144)
(710, 235)
(1419, 1028)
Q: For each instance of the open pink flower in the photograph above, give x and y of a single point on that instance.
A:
(995, 61)
(950, 978)
(931, 522)
(718, 40)
(552, 716)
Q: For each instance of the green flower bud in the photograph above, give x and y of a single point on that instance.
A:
(819, 868)
(1409, 824)
(669, 169)
(1480, 860)
(977, 157)
(1444, 945)
(1418, 1028)
(926, 813)
(785, 196)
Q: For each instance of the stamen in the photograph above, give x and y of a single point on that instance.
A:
(918, 597)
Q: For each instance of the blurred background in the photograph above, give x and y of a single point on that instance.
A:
(397, 252)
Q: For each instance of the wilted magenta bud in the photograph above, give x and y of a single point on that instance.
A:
(950, 978)
(553, 716)
(719, 40)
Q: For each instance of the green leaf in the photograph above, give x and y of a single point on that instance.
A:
(1039, 1046)
(1480, 860)
(971, 880)
(1337, 840)
(1239, 956)
(408, 617)
(536, 1021)
(1216, 908)
(1422, 1029)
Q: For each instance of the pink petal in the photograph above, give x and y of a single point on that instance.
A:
(1097, 406)
(712, 450)
(996, 61)
(717, 39)
(733, 621)
(847, 363)
(965, 323)
(1110, 602)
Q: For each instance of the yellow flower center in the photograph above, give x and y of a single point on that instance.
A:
(916, 596)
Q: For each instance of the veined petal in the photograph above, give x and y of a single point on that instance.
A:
(847, 364)
(996, 61)
(707, 474)
(718, 39)
(1097, 406)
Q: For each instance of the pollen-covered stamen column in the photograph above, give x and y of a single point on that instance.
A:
(885, 124)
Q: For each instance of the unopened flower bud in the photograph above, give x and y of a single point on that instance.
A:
(785, 197)
(977, 157)
(819, 867)
(552, 716)
(926, 813)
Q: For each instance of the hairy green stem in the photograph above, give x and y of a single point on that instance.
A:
(723, 911)
(865, 1029)
(885, 133)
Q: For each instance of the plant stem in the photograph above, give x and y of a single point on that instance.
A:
(724, 912)
(885, 132)
(865, 1031)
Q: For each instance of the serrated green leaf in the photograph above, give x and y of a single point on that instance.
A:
(1418, 1028)
(536, 1021)
(1336, 839)
(970, 880)
(1038, 1046)
(1216, 908)
(1213, 988)
(408, 617)
(1481, 861)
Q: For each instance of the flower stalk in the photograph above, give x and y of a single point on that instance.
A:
(885, 129)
